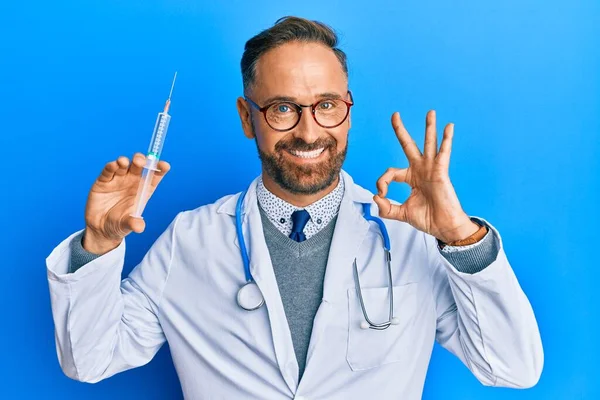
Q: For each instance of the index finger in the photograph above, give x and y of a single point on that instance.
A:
(392, 174)
(408, 144)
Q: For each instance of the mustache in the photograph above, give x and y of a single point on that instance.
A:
(298, 144)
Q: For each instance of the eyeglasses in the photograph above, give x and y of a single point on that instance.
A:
(285, 115)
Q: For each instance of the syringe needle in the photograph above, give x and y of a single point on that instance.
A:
(172, 85)
(168, 103)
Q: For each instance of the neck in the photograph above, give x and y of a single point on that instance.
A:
(298, 200)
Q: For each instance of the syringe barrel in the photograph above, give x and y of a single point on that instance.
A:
(159, 135)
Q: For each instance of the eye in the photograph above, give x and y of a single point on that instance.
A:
(327, 105)
(282, 109)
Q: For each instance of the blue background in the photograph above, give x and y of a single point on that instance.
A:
(81, 84)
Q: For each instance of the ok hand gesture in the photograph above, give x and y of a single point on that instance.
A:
(432, 206)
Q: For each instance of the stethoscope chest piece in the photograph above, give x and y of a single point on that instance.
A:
(249, 297)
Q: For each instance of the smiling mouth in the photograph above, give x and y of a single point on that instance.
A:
(307, 154)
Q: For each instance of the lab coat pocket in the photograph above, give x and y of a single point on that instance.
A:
(370, 348)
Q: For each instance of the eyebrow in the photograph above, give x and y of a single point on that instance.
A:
(326, 95)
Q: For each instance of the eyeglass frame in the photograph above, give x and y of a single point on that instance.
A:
(299, 108)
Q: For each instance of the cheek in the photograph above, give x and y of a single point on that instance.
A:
(266, 142)
(341, 136)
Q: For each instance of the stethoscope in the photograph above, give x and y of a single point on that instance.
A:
(250, 298)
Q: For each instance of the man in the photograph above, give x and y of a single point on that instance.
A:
(327, 318)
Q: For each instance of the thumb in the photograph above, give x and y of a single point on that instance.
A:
(383, 204)
(134, 224)
(389, 210)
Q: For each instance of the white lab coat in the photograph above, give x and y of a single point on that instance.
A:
(184, 291)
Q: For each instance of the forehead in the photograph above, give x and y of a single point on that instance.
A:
(299, 70)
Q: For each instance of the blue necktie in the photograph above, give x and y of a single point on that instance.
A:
(299, 219)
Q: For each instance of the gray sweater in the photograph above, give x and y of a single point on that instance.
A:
(300, 272)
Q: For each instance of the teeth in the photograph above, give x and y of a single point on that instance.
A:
(307, 154)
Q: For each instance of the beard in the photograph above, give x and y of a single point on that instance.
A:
(303, 179)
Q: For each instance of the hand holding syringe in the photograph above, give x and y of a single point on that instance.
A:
(117, 199)
(153, 156)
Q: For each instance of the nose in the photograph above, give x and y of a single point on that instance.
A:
(307, 128)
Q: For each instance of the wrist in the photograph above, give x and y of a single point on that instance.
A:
(462, 232)
(96, 244)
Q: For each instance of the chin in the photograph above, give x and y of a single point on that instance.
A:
(306, 179)
(303, 177)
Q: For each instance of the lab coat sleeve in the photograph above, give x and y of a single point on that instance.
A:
(105, 325)
(485, 319)
(474, 257)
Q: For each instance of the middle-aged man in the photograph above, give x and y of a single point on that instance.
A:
(286, 290)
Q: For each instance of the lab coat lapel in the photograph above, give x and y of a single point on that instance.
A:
(264, 276)
(349, 234)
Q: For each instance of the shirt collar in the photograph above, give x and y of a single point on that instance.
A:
(281, 211)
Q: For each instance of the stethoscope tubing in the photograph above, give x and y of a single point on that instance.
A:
(367, 215)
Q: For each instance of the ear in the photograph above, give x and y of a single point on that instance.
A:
(350, 111)
(350, 119)
(244, 111)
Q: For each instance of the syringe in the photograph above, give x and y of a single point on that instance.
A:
(153, 156)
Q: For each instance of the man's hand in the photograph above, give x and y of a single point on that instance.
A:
(112, 200)
(432, 206)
